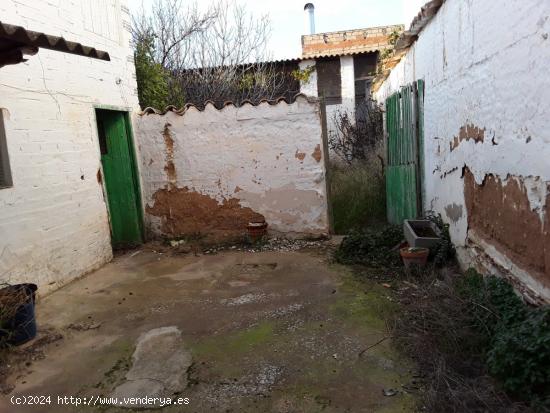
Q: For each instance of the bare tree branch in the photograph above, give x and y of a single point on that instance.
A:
(357, 139)
(218, 54)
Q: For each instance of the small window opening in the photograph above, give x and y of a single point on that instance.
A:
(5, 171)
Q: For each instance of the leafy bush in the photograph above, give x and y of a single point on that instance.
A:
(151, 77)
(443, 252)
(493, 302)
(371, 247)
(517, 344)
(520, 355)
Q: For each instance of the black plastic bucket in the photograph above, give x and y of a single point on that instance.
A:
(22, 327)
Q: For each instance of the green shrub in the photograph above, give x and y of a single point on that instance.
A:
(520, 355)
(493, 302)
(374, 248)
(517, 337)
(151, 78)
(443, 252)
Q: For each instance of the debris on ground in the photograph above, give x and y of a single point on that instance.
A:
(242, 244)
(389, 392)
(19, 359)
(435, 315)
(84, 326)
(272, 244)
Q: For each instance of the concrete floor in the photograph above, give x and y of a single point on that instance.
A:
(267, 332)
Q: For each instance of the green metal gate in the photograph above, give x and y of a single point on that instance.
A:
(404, 127)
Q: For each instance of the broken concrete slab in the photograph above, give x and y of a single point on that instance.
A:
(159, 368)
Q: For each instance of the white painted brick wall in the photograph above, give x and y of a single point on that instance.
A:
(347, 74)
(484, 64)
(253, 148)
(53, 224)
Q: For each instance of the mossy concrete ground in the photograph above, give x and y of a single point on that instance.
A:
(269, 332)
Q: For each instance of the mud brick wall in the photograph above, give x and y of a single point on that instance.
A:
(214, 171)
(487, 140)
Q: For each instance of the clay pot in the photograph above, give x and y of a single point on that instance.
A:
(256, 230)
(414, 256)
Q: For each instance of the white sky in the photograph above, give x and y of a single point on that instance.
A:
(288, 17)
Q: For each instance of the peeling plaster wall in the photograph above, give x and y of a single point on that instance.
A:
(53, 221)
(486, 108)
(225, 168)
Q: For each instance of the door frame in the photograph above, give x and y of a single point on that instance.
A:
(136, 177)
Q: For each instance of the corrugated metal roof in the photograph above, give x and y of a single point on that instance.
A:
(13, 38)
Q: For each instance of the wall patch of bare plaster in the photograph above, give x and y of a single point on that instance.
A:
(500, 212)
(185, 212)
(466, 133)
(299, 155)
(317, 154)
(169, 167)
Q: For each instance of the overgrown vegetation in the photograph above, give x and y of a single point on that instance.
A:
(517, 344)
(478, 346)
(444, 252)
(373, 248)
(357, 196)
(151, 77)
(359, 136)
(357, 180)
(488, 351)
(216, 53)
(303, 75)
(386, 54)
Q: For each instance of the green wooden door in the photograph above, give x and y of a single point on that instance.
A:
(120, 178)
(404, 143)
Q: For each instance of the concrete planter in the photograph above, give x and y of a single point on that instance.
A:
(421, 233)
